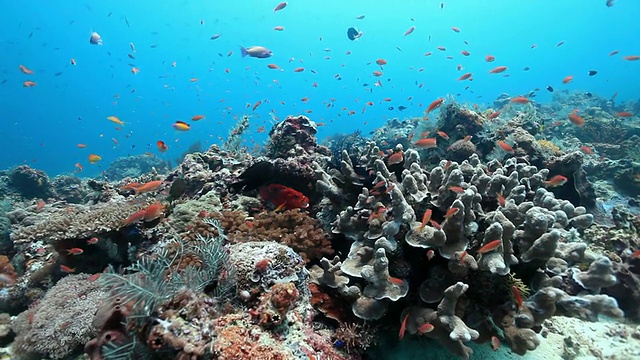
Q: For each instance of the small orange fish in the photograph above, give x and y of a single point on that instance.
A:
(427, 143)
(26, 70)
(504, 146)
(567, 79)
(456, 189)
(462, 256)
(153, 212)
(490, 246)
(93, 158)
(555, 181)
(272, 66)
(520, 100)
(498, 70)
(381, 62)
(489, 58)
(632, 57)
(135, 70)
(29, 84)
(495, 343)
(149, 186)
(441, 48)
(94, 277)
(403, 326)
(455, 29)
(278, 28)
(81, 146)
(396, 281)
(434, 105)
(425, 219)
(443, 135)
(635, 254)
(425, 328)
(67, 269)
(197, 117)
(501, 200)
(430, 254)
(464, 77)
(624, 114)
(94, 240)
(298, 69)
(494, 115)
(135, 217)
(74, 251)
(162, 147)
(465, 53)
(255, 106)
(576, 119)
(517, 296)
(435, 224)
(587, 150)
(377, 73)
(193, 79)
(395, 158)
(451, 212)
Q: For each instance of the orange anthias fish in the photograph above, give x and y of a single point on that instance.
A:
(451, 212)
(135, 217)
(464, 77)
(517, 296)
(74, 251)
(395, 158)
(425, 219)
(555, 181)
(489, 58)
(197, 117)
(26, 70)
(567, 79)
(427, 143)
(624, 114)
(504, 146)
(153, 212)
(283, 197)
(498, 69)
(434, 105)
(519, 100)
(425, 328)
(403, 326)
(147, 187)
(490, 246)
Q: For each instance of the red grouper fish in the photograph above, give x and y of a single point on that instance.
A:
(284, 197)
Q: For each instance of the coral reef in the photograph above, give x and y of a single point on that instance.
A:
(134, 166)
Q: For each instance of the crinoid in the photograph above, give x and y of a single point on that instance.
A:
(354, 338)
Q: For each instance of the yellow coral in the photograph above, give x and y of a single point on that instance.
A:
(549, 147)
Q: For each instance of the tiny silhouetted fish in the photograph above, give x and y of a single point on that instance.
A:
(177, 189)
(58, 74)
(401, 107)
(131, 56)
(549, 88)
(592, 72)
(153, 46)
(390, 107)
(526, 68)
(588, 94)
(365, 84)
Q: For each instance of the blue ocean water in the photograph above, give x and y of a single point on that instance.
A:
(70, 103)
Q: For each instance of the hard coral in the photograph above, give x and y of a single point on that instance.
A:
(294, 228)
